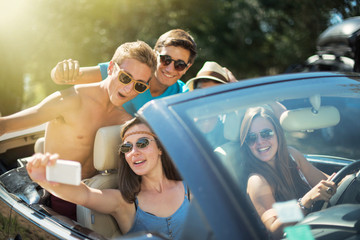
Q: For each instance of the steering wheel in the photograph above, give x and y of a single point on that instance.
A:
(351, 168)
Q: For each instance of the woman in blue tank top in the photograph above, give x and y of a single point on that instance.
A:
(159, 197)
(151, 195)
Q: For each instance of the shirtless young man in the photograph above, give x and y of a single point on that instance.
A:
(74, 115)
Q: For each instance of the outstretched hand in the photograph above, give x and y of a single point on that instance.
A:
(36, 167)
(66, 72)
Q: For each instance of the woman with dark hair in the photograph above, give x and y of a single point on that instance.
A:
(276, 172)
(152, 196)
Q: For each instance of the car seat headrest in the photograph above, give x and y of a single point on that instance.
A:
(232, 125)
(106, 147)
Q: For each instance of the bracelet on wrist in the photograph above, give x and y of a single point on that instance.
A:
(303, 207)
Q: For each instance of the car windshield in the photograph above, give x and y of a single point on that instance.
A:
(331, 105)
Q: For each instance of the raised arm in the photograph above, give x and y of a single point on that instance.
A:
(70, 72)
(50, 108)
(104, 201)
(312, 174)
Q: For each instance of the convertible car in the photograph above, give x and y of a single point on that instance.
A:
(200, 131)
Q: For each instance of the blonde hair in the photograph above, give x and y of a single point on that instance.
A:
(139, 51)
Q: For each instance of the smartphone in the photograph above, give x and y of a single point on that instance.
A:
(64, 171)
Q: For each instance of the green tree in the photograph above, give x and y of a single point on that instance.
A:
(251, 38)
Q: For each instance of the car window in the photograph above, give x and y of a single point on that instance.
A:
(216, 119)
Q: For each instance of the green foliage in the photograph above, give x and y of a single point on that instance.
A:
(249, 37)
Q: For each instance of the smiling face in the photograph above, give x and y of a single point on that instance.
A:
(168, 75)
(143, 159)
(120, 93)
(263, 148)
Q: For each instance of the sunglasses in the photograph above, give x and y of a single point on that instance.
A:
(140, 143)
(125, 78)
(265, 134)
(178, 64)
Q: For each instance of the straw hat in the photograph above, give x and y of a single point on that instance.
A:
(210, 70)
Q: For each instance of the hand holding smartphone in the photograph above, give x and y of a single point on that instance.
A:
(64, 171)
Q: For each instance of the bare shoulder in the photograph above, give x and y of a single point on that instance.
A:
(257, 184)
(91, 93)
(62, 101)
(257, 180)
(88, 89)
(70, 94)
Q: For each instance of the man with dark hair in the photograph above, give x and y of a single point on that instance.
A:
(176, 51)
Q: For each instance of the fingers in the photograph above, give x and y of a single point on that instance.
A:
(330, 188)
(67, 71)
(331, 177)
(36, 166)
(327, 193)
(42, 160)
(327, 189)
(65, 67)
(324, 190)
(71, 70)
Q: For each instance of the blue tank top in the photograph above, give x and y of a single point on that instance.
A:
(170, 226)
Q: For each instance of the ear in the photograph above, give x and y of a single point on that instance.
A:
(110, 68)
